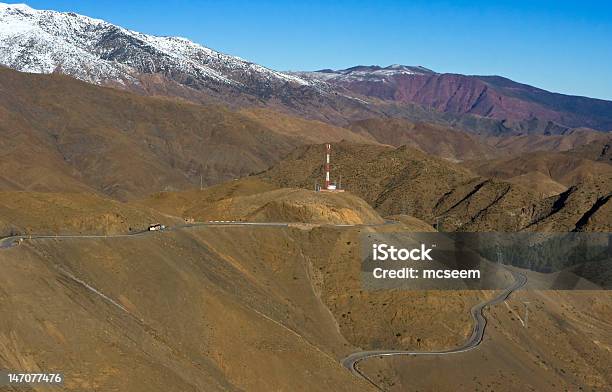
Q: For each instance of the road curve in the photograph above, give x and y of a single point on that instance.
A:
(473, 341)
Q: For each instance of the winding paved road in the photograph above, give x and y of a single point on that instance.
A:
(474, 340)
(8, 242)
(352, 360)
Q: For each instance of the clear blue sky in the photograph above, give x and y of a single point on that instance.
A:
(562, 46)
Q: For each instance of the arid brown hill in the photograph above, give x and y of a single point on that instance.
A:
(43, 213)
(565, 168)
(583, 207)
(452, 143)
(550, 173)
(568, 140)
(253, 200)
(433, 139)
(599, 150)
(270, 309)
(408, 181)
(59, 134)
(372, 172)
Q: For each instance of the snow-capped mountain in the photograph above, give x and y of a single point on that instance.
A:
(371, 73)
(99, 52)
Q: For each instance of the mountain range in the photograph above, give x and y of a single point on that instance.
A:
(106, 132)
(101, 109)
(484, 96)
(99, 52)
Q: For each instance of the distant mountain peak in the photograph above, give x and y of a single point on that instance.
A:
(367, 73)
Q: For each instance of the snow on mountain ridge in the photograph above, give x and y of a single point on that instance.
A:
(97, 51)
(26, 46)
(359, 73)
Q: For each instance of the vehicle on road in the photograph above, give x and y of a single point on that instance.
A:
(156, 227)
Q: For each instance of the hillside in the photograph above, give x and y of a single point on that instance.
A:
(309, 131)
(186, 310)
(448, 196)
(565, 168)
(180, 311)
(568, 140)
(583, 207)
(550, 173)
(596, 150)
(539, 182)
(371, 172)
(408, 181)
(59, 134)
(433, 139)
(71, 213)
(251, 200)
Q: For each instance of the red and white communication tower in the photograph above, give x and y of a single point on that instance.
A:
(329, 186)
(327, 154)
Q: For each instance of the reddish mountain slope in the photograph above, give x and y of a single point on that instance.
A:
(487, 96)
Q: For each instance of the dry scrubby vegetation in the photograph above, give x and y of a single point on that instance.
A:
(407, 181)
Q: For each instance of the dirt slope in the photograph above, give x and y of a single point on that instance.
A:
(524, 143)
(310, 131)
(260, 309)
(222, 311)
(71, 213)
(597, 150)
(542, 184)
(484, 205)
(214, 308)
(178, 203)
(564, 347)
(413, 223)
